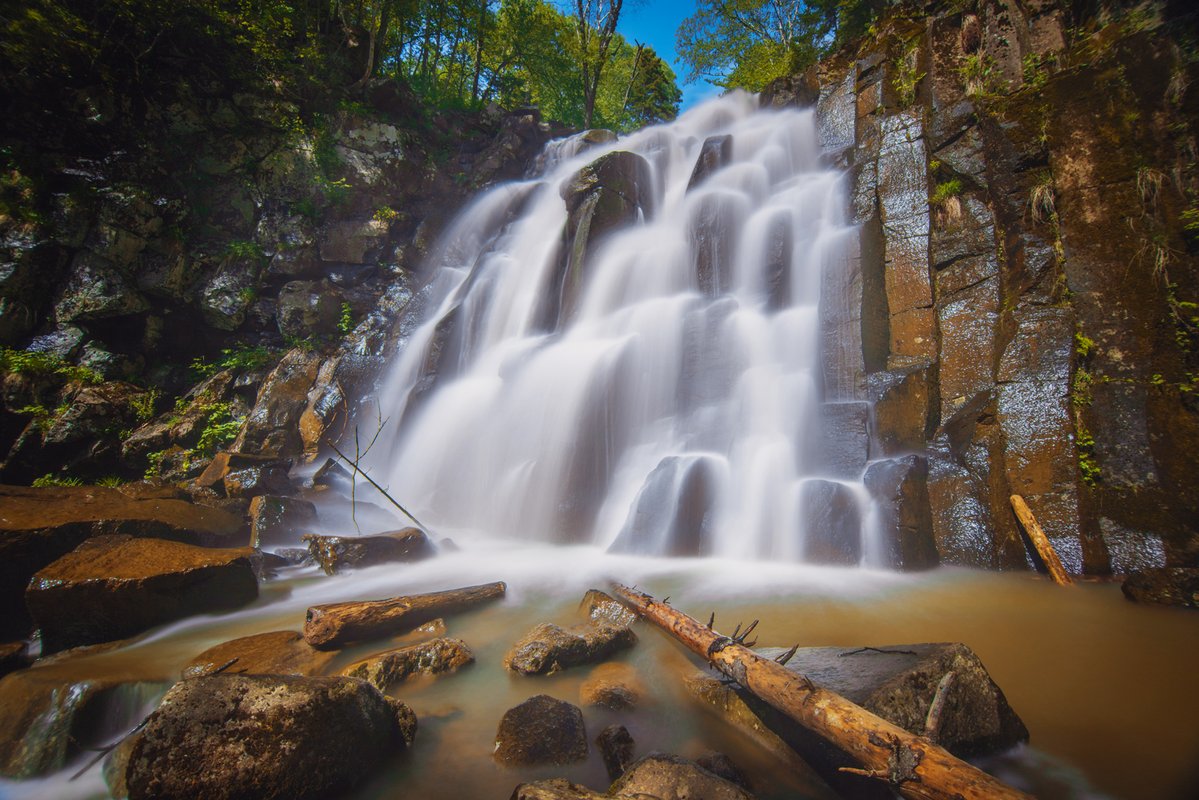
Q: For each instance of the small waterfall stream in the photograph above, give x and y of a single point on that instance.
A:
(679, 406)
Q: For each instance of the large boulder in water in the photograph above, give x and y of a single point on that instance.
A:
(265, 736)
(112, 587)
(336, 553)
(673, 512)
(435, 657)
(548, 648)
(541, 730)
(614, 190)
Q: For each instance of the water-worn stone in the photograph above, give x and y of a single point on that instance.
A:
(257, 479)
(555, 789)
(614, 686)
(900, 488)
(541, 730)
(673, 512)
(602, 607)
(279, 520)
(548, 648)
(832, 523)
(435, 657)
(1172, 586)
(39, 525)
(337, 553)
(615, 744)
(266, 736)
(111, 587)
(273, 653)
(715, 152)
(673, 778)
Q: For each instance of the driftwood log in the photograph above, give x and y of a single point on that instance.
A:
(1040, 541)
(331, 626)
(912, 765)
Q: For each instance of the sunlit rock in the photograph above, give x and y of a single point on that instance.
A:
(274, 653)
(548, 648)
(436, 657)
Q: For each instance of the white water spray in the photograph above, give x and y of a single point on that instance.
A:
(681, 408)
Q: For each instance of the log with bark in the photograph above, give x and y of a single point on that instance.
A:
(914, 766)
(331, 626)
(1040, 541)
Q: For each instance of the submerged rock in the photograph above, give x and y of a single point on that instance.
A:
(673, 778)
(335, 553)
(1172, 586)
(266, 736)
(274, 653)
(434, 657)
(548, 648)
(541, 730)
(555, 789)
(111, 587)
(616, 747)
(602, 607)
(613, 686)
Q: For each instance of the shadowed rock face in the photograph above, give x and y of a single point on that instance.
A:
(1172, 586)
(541, 730)
(267, 736)
(111, 587)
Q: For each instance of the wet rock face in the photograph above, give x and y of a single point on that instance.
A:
(436, 657)
(111, 587)
(832, 523)
(678, 497)
(616, 746)
(267, 736)
(674, 778)
(272, 427)
(279, 520)
(547, 648)
(900, 487)
(541, 730)
(337, 553)
(715, 152)
(602, 607)
(1171, 586)
(274, 653)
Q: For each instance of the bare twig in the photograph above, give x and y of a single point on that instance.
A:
(932, 723)
(876, 650)
(359, 471)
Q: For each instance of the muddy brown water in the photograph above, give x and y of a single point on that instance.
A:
(1107, 688)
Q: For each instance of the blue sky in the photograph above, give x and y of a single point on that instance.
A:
(653, 23)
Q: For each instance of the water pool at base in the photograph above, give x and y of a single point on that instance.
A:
(1107, 688)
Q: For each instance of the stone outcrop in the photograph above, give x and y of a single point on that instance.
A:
(279, 520)
(548, 648)
(266, 736)
(112, 587)
(541, 730)
(39, 526)
(435, 657)
(337, 553)
(1171, 586)
(273, 653)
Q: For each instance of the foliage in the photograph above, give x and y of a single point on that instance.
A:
(243, 358)
(249, 251)
(56, 480)
(42, 363)
(906, 76)
(1041, 199)
(1084, 445)
(111, 481)
(220, 427)
(145, 404)
(345, 323)
(1083, 345)
(945, 190)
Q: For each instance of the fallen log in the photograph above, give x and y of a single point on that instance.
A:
(330, 626)
(1040, 541)
(912, 765)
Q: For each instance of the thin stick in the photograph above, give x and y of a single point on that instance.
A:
(932, 723)
(358, 470)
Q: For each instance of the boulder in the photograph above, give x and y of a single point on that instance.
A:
(1172, 586)
(541, 730)
(112, 587)
(265, 736)
(336, 553)
(434, 657)
(272, 427)
(258, 479)
(602, 607)
(307, 309)
(669, 777)
(182, 428)
(616, 747)
(548, 648)
(715, 152)
(226, 462)
(614, 686)
(39, 525)
(279, 520)
(555, 789)
(896, 682)
(273, 653)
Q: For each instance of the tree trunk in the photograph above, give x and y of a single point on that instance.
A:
(328, 627)
(913, 766)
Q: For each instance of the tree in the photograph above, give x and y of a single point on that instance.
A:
(595, 25)
(747, 43)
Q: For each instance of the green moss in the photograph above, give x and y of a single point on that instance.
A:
(1083, 345)
(1080, 389)
(905, 77)
(346, 323)
(944, 191)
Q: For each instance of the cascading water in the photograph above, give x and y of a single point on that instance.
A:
(671, 400)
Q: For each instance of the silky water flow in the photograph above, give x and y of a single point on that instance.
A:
(680, 406)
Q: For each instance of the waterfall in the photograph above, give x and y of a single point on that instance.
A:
(671, 400)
